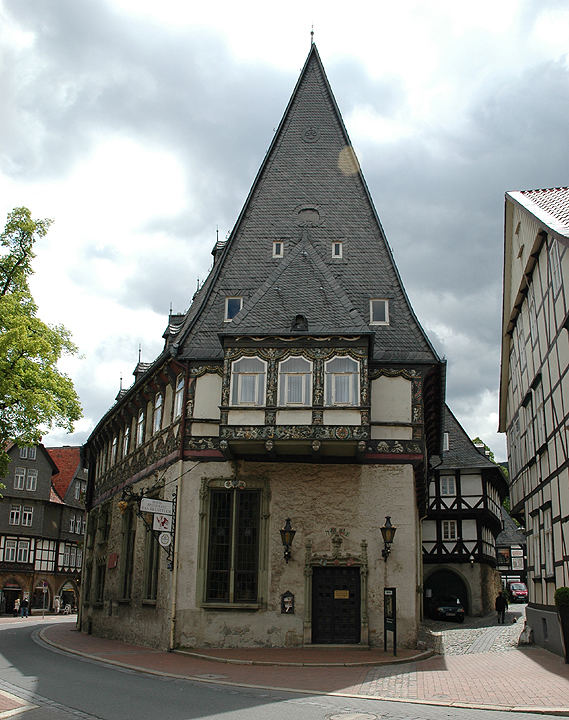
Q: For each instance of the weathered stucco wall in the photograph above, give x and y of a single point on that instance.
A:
(316, 498)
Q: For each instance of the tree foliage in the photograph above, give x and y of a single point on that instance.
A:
(34, 394)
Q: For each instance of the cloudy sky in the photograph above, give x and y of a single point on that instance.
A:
(138, 126)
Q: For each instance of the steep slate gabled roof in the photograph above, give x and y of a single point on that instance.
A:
(550, 206)
(308, 193)
(301, 285)
(463, 454)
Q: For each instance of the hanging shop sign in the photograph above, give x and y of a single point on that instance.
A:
(162, 507)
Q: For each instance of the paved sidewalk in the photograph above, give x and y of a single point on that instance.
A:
(521, 680)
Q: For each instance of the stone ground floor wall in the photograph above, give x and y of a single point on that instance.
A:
(337, 512)
(15, 584)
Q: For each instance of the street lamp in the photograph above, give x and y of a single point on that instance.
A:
(287, 536)
(388, 533)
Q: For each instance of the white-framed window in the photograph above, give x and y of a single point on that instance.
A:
(77, 490)
(157, 417)
(521, 340)
(79, 561)
(342, 381)
(248, 376)
(378, 311)
(27, 515)
(337, 249)
(278, 248)
(532, 315)
(15, 514)
(540, 434)
(28, 453)
(449, 529)
(448, 485)
(232, 306)
(126, 441)
(547, 534)
(179, 396)
(140, 428)
(23, 551)
(295, 381)
(10, 550)
(19, 478)
(555, 265)
(114, 447)
(72, 523)
(446, 442)
(32, 479)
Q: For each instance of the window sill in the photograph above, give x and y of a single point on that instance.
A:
(125, 601)
(230, 606)
(149, 603)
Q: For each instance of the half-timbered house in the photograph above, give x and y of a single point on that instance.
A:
(295, 406)
(463, 520)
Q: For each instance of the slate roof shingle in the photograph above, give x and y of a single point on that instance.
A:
(550, 205)
(308, 193)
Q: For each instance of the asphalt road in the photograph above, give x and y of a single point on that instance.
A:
(65, 687)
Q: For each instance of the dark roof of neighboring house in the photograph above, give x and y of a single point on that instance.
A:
(309, 192)
(550, 206)
(511, 534)
(68, 462)
(463, 454)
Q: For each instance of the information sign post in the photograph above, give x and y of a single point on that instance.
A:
(390, 616)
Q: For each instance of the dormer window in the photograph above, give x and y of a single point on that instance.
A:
(278, 249)
(295, 382)
(342, 381)
(232, 306)
(337, 249)
(378, 311)
(248, 381)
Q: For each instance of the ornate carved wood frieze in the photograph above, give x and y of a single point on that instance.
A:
(294, 432)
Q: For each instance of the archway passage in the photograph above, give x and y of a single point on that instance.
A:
(443, 583)
(10, 593)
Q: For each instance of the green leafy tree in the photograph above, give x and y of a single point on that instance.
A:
(34, 395)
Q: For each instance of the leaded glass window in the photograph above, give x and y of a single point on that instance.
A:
(233, 548)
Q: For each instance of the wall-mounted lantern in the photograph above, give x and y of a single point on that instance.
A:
(388, 533)
(287, 536)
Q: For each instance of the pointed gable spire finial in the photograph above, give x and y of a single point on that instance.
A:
(312, 36)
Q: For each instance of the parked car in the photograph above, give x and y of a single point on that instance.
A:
(518, 592)
(447, 608)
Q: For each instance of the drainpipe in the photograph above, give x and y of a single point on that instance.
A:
(173, 606)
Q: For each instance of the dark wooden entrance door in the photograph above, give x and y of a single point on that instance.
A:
(336, 605)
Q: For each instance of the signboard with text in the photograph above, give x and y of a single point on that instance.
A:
(162, 507)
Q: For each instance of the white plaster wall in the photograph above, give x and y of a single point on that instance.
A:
(391, 432)
(471, 484)
(207, 397)
(205, 429)
(391, 399)
(316, 498)
(469, 530)
(294, 417)
(342, 417)
(246, 417)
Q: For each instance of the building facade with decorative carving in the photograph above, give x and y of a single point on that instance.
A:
(42, 520)
(238, 489)
(463, 521)
(534, 387)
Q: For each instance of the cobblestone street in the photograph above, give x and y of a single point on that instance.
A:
(476, 634)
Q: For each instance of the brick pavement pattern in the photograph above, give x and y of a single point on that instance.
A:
(502, 676)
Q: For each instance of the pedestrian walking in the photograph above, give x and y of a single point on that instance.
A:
(16, 607)
(501, 606)
(24, 608)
